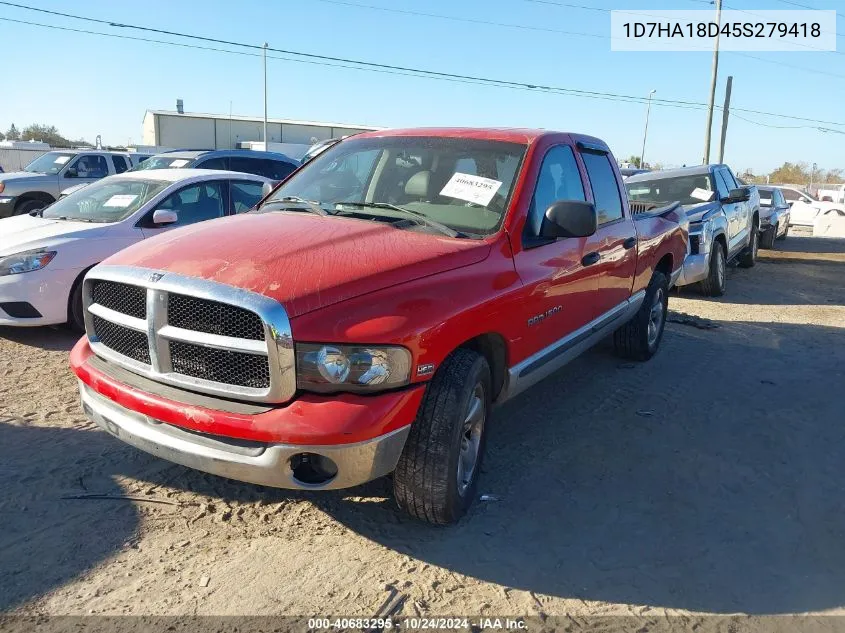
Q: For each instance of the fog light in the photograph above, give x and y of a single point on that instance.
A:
(312, 469)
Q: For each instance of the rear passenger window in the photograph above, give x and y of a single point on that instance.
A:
(275, 169)
(120, 165)
(245, 194)
(559, 179)
(605, 187)
(214, 163)
(246, 165)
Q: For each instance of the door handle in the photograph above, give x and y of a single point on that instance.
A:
(590, 258)
(631, 242)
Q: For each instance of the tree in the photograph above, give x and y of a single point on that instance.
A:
(45, 133)
(634, 160)
(12, 134)
(2, 136)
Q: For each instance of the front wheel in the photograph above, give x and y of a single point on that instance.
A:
(639, 339)
(28, 206)
(780, 238)
(437, 474)
(749, 256)
(767, 241)
(714, 284)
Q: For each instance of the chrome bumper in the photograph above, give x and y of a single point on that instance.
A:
(253, 462)
(695, 269)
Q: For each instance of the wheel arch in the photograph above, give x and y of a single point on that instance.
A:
(74, 286)
(493, 347)
(42, 196)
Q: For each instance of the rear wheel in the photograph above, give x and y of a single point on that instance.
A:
(767, 240)
(639, 339)
(28, 206)
(714, 284)
(436, 477)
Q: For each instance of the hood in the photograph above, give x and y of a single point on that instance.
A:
(696, 212)
(302, 260)
(827, 206)
(21, 175)
(25, 232)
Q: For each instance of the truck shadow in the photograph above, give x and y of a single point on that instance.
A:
(696, 487)
(46, 541)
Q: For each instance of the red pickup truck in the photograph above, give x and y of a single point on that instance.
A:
(368, 314)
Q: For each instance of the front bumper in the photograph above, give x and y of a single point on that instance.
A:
(695, 269)
(47, 290)
(363, 435)
(7, 206)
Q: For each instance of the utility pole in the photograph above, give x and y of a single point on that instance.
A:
(725, 115)
(645, 133)
(266, 148)
(713, 78)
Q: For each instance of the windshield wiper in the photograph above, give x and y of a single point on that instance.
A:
(422, 218)
(287, 200)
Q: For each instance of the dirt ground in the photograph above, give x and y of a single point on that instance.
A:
(709, 480)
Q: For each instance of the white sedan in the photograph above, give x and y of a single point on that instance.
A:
(43, 256)
(804, 209)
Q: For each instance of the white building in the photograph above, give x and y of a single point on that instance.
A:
(166, 128)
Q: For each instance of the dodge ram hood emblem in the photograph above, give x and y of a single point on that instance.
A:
(156, 276)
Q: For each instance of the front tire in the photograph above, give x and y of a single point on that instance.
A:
(437, 474)
(749, 256)
(639, 339)
(714, 284)
(75, 313)
(785, 233)
(767, 241)
(28, 206)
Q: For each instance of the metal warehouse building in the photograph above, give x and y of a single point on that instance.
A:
(165, 128)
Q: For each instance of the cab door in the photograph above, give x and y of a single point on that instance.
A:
(560, 289)
(733, 212)
(612, 251)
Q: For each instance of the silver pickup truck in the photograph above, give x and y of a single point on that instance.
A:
(724, 219)
(42, 181)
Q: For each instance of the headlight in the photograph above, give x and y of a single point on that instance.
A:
(25, 262)
(362, 368)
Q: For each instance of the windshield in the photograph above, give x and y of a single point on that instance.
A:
(105, 200)
(49, 163)
(688, 190)
(464, 184)
(163, 162)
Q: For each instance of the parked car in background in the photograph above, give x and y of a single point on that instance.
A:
(44, 257)
(724, 219)
(41, 182)
(774, 216)
(368, 314)
(834, 194)
(319, 147)
(804, 208)
(271, 165)
(627, 172)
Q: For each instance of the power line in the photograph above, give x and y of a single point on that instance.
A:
(779, 63)
(330, 60)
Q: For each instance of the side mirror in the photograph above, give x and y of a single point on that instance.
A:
(569, 218)
(266, 189)
(162, 217)
(740, 194)
(71, 172)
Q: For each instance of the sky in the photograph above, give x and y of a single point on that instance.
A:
(91, 84)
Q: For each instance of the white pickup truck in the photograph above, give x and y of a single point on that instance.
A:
(836, 194)
(42, 181)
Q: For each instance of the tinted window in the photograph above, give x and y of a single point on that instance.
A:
(276, 169)
(778, 196)
(120, 165)
(559, 179)
(215, 163)
(690, 189)
(245, 194)
(605, 187)
(791, 194)
(729, 179)
(196, 203)
(91, 166)
(246, 165)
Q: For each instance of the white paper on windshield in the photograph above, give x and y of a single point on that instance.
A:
(701, 194)
(179, 162)
(61, 160)
(471, 188)
(120, 201)
(766, 202)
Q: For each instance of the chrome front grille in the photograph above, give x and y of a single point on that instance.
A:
(197, 334)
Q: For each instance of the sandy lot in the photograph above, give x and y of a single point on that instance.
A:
(710, 480)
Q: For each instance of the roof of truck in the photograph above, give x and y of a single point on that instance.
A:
(508, 135)
(695, 170)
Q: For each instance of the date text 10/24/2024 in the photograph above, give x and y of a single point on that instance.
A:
(419, 624)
